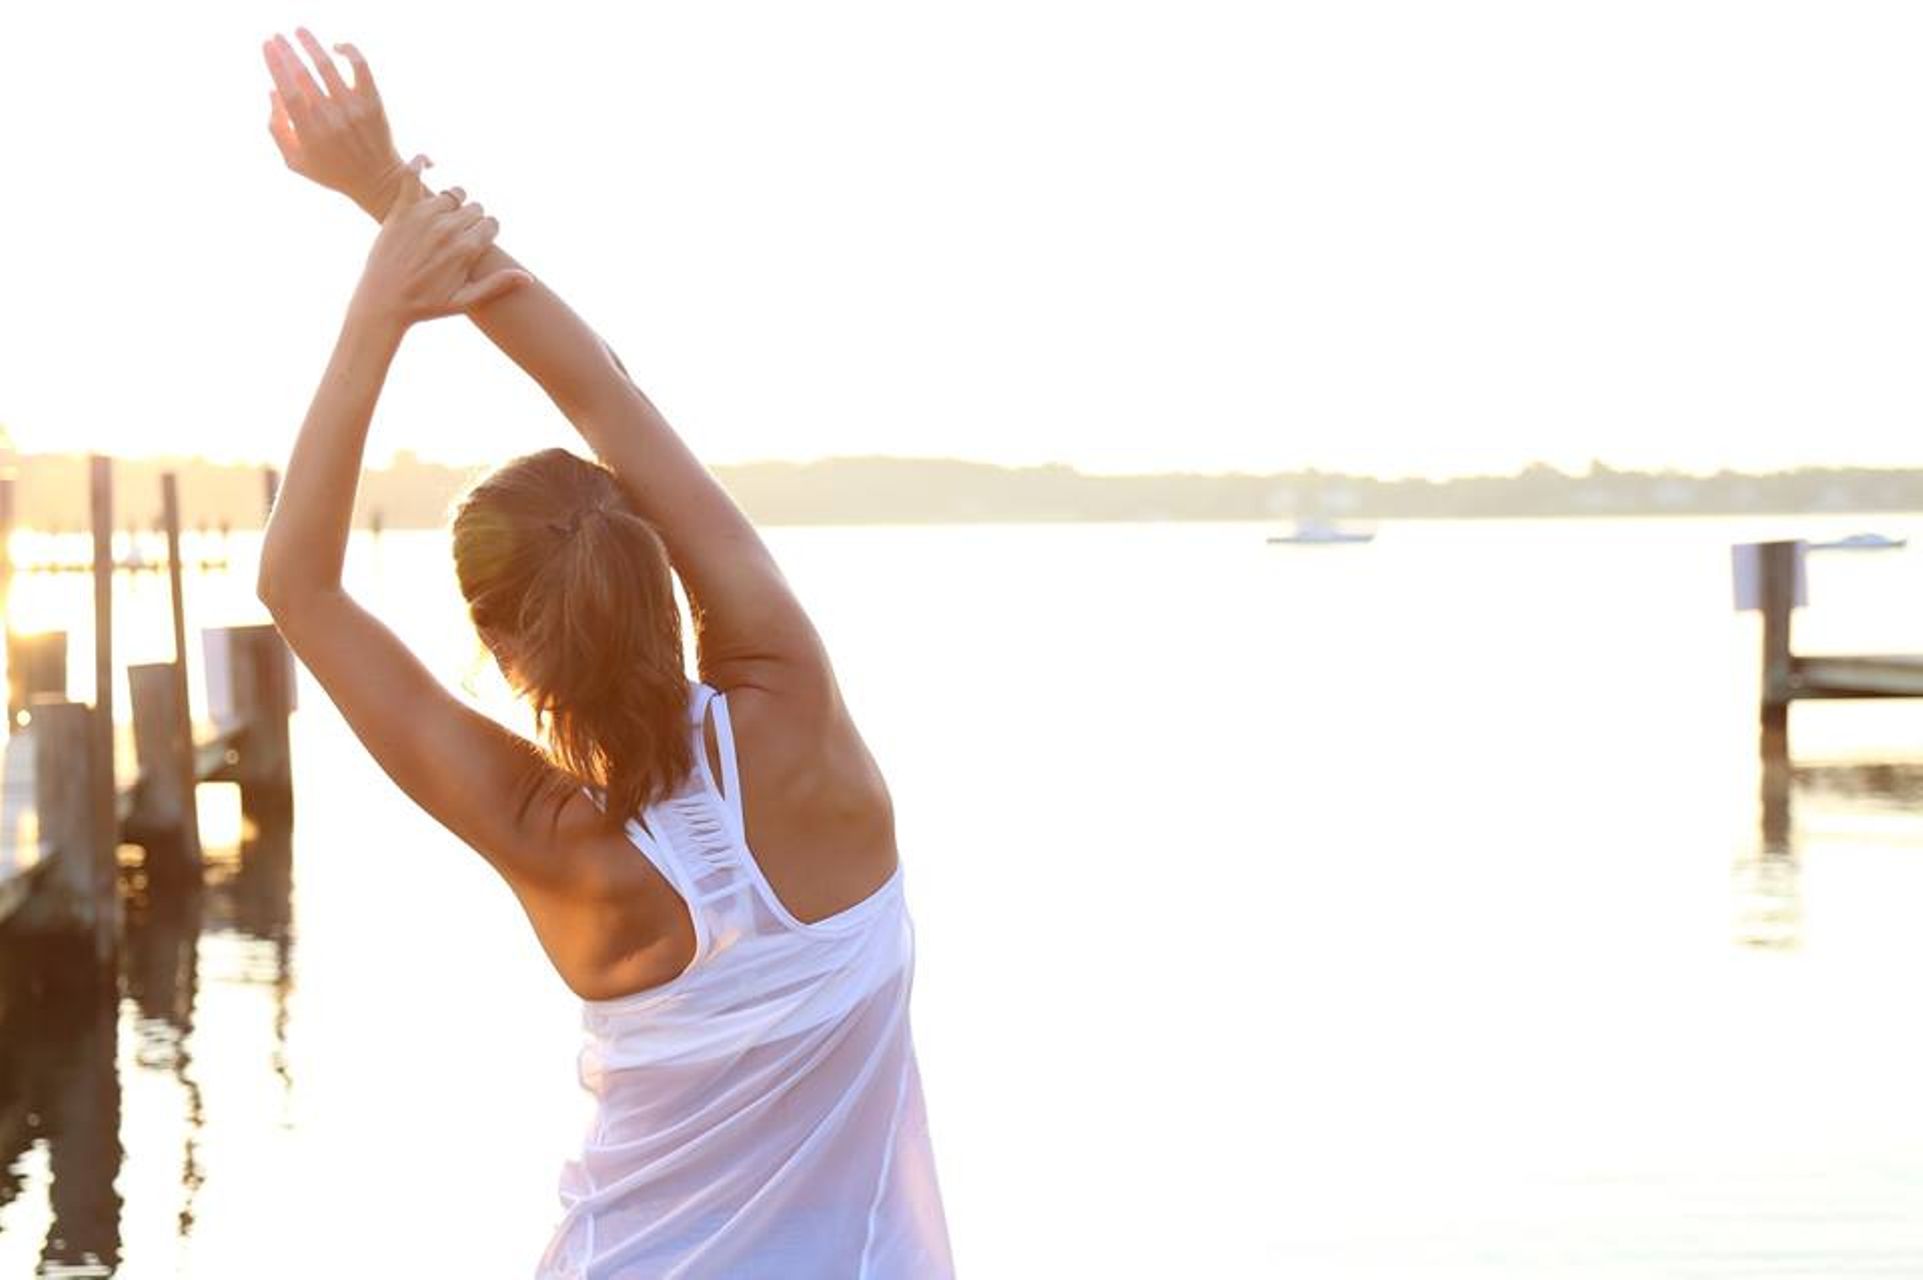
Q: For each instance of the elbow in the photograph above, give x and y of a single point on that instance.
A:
(271, 589)
(267, 591)
(279, 606)
(286, 602)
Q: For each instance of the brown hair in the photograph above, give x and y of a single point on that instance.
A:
(573, 593)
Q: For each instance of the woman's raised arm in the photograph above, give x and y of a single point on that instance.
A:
(751, 629)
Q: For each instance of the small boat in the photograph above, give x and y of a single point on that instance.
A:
(1861, 542)
(1317, 532)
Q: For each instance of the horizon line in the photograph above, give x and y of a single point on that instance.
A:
(403, 458)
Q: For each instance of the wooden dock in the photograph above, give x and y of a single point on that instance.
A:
(64, 811)
(1770, 578)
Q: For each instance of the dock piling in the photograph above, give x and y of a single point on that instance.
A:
(77, 894)
(180, 759)
(100, 774)
(1777, 568)
(250, 693)
(163, 808)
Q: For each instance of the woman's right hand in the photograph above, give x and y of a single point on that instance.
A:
(331, 132)
(418, 268)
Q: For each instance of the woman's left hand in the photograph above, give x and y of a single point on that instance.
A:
(421, 260)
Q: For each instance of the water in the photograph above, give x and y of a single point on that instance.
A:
(1359, 911)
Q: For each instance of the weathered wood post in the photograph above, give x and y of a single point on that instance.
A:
(250, 691)
(101, 778)
(77, 894)
(1774, 805)
(161, 820)
(1779, 564)
(270, 489)
(1768, 577)
(182, 741)
(36, 667)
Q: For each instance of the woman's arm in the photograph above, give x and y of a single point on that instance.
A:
(751, 629)
(456, 763)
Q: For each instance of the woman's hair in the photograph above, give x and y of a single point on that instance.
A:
(573, 593)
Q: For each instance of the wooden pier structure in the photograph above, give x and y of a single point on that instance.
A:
(1770, 578)
(64, 812)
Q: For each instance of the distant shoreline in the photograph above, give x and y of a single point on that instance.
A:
(418, 494)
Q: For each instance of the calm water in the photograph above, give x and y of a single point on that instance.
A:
(1373, 911)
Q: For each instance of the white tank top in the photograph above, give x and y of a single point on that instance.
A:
(759, 1116)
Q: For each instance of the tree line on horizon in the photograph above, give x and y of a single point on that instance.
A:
(51, 493)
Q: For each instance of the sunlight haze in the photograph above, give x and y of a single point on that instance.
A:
(1390, 238)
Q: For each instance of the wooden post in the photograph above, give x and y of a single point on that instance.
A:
(163, 799)
(1775, 807)
(106, 826)
(271, 490)
(77, 894)
(1777, 568)
(182, 738)
(250, 688)
(36, 666)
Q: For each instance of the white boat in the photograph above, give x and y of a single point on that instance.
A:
(1317, 532)
(1861, 542)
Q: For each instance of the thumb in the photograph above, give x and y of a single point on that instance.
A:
(400, 202)
(490, 287)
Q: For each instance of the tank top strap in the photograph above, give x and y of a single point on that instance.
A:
(729, 787)
(700, 693)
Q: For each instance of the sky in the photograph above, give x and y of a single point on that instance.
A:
(1407, 239)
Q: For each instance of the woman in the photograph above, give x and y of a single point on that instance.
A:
(759, 1111)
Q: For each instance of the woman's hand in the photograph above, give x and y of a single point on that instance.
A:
(331, 132)
(418, 268)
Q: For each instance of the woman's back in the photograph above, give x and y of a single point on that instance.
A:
(760, 1114)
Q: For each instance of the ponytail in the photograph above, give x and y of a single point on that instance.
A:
(574, 593)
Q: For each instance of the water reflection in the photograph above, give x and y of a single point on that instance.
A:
(1890, 786)
(1769, 905)
(62, 1103)
(60, 1088)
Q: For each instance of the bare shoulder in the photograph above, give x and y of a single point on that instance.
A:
(609, 921)
(816, 807)
(803, 749)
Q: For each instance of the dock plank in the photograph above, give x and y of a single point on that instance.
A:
(1856, 676)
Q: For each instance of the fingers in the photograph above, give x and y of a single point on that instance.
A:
(286, 81)
(462, 218)
(490, 287)
(306, 103)
(282, 128)
(465, 230)
(329, 74)
(460, 234)
(363, 75)
(478, 234)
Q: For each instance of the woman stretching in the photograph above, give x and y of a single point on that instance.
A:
(758, 1107)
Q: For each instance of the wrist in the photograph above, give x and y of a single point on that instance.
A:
(377, 195)
(373, 322)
